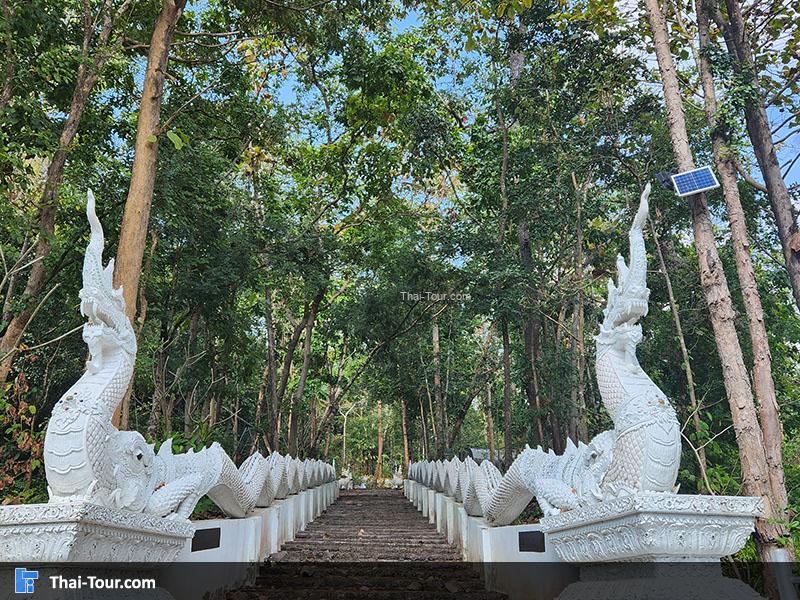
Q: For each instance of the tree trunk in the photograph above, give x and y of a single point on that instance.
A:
(487, 411)
(687, 365)
(473, 390)
(441, 432)
(555, 421)
(379, 460)
(235, 427)
(579, 353)
(528, 333)
(260, 401)
(301, 384)
(406, 455)
(10, 67)
(759, 131)
(136, 217)
(344, 442)
(424, 427)
(85, 80)
(508, 440)
(432, 417)
(763, 384)
(291, 427)
(272, 369)
(533, 358)
(755, 470)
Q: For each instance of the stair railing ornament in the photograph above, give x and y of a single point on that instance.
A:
(89, 463)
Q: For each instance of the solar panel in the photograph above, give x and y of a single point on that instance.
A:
(694, 181)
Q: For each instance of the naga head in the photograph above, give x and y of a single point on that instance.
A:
(108, 328)
(597, 456)
(134, 463)
(627, 300)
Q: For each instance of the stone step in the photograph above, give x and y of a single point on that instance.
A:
(424, 570)
(353, 555)
(339, 543)
(373, 582)
(369, 545)
(292, 593)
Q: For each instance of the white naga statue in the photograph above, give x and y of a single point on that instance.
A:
(87, 458)
(641, 453)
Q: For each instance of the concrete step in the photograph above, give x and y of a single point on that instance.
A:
(293, 593)
(373, 582)
(369, 545)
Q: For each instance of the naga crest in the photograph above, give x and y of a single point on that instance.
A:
(101, 303)
(627, 300)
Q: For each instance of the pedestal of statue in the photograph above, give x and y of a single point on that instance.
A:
(655, 546)
(85, 532)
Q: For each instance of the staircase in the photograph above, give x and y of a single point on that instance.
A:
(370, 544)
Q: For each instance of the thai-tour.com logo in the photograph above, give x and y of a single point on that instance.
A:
(24, 580)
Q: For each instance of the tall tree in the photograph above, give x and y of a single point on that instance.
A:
(737, 39)
(763, 384)
(755, 470)
(96, 49)
(136, 217)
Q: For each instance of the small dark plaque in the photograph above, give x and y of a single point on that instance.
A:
(206, 539)
(530, 541)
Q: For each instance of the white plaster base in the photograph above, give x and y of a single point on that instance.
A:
(472, 537)
(302, 516)
(441, 513)
(239, 541)
(84, 532)
(431, 497)
(651, 526)
(270, 528)
(318, 504)
(453, 522)
(660, 529)
(298, 508)
(503, 561)
(314, 499)
(287, 519)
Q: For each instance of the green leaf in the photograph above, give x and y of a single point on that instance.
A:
(175, 139)
(152, 139)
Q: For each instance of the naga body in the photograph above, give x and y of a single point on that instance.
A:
(87, 459)
(648, 446)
